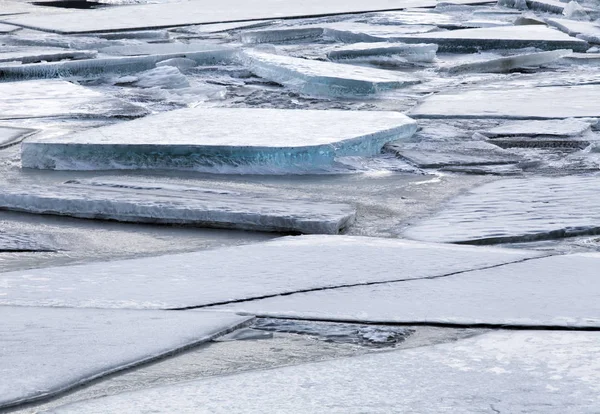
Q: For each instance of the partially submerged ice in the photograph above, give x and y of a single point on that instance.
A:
(508, 63)
(47, 351)
(60, 98)
(11, 136)
(245, 272)
(208, 139)
(366, 51)
(156, 202)
(516, 210)
(517, 103)
(324, 78)
(502, 371)
(558, 291)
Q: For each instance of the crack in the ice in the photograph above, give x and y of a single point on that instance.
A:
(494, 409)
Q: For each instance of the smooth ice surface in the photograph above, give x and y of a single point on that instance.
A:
(440, 154)
(508, 63)
(508, 372)
(516, 209)
(324, 78)
(155, 202)
(522, 103)
(7, 28)
(45, 54)
(563, 127)
(198, 12)
(410, 52)
(512, 37)
(161, 49)
(557, 291)
(52, 98)
(10, 136)
(49, 350)
(584, 30)
(281, 266)
(210, 139)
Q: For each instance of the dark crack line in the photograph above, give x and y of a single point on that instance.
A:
(349, 285)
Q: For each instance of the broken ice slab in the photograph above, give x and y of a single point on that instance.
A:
(170, 204)
(552, 127)
(524, 103)
(162, 49)
(409, 52)
(587, 31)
(314, 77)
(541, 142)
(47, 351)
(218, 28)
(26, 242)
(111, 65)
(55, 98)
(442, 154)
(8, 28)
(536, 292)
(508, 63)
(398, 18)
(10, 136)
(514, 210)
(501, 371)
(46, 54)
(502, 169)
(245, 272)
(154, 16)
(513, 37)
(209, 140)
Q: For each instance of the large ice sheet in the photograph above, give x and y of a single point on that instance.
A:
(559, 291)
(314, 77)
(277, 267)
(508, 63)
(511, 37)
(54, 98)
(508, 372)
(523, 103)
(46, 351)
(10, 136)
(198, 12)
(552, 127)
(210, 139)
(155, 202)
(517, 210)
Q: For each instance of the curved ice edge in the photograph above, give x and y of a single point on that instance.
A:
(152, 358)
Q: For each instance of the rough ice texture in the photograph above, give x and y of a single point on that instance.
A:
(508, 63)
(513, 37)
(583, 30)
(26, 242)
(563, 127)
(549, 6)
(523, 103)
(324, 78)
(508, 372)
(559, 291)
(397, 18)
(152, 16)
(210, 139)
(10, 136)
(439, 154)
(99, 66)
(46, 54)
(46, 351)
(53, 98)
(146, 202)
(281, 266)
(410, 52)
(517, 210)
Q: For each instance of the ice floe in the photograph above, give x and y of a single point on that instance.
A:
(8, 28)
(587, 31)
(563, 127)
(46, 54)
(277, 267)
(558, 291)
(10, 136)
(550, 372)
(366, 51)
(156, 202)
(60, 98)
(324, 78)
(209, 139)
(46, 351)
(523, 103)
(516, 210)
(20, 241)
(508, 63)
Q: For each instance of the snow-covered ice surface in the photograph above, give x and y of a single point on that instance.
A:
(506, 64)
(46, 351)
(25, 242)
(324, 78)
(588, 31)
(210, 139)
(410, 52)
(8, 28)
(54, 98)
(516, 372)
(45, 54)
(277, 267)
(516, 210)
(523, 103)
(558, 291)
(563, 127)
(196, 12)
(10, 136)
(155, 202)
